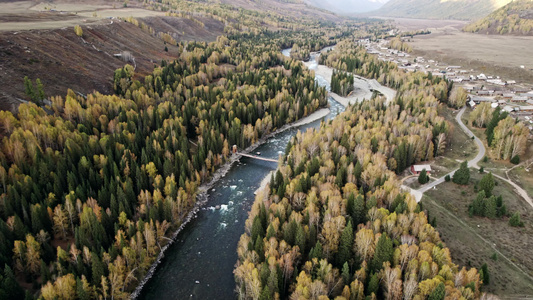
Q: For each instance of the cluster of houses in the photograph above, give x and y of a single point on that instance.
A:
(506, 94)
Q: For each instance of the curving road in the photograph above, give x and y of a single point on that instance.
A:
(472, 163)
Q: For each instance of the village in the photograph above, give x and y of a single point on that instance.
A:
(508, 95)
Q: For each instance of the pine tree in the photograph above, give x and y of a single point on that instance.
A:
(300, 239)
(478, 206)
(491, 210)
(487, 184)
(28, 88)
(384, 252)
(257, 228)
(346, 245)
(515, 221)
(358, 215)
(462, 176)
(423, 177)
(40, 90)
(486, 276)
(346, 276)
(438, 293)
(373, 285)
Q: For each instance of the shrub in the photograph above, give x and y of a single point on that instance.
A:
(78, 30)
(447, 178)
(515, 220)
(484, 274)
(515, 160)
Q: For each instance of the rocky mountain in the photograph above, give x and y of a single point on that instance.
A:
(514, 18)
(440, 9)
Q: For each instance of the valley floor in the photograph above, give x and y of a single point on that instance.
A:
(490, 54)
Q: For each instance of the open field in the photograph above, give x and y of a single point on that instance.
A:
(406, 24)
(475, 240)
(489, 54)
(28, 15)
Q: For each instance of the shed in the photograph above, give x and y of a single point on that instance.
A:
(416, 169)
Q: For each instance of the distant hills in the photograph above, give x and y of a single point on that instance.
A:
(344, 7)
(440, 9)
(514, 18)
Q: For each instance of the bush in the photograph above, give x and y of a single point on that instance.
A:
(78, 30)
(484, 274)
(481, 170)
(515, 160)
(447, 178)
(515, 220)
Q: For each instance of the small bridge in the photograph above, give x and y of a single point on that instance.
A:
(253, 156)
(257, 157)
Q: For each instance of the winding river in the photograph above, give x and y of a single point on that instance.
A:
(199, 264)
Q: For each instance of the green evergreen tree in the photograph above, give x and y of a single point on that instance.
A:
(486, 276)
(491, 210)
(316, 251)
(515, 159)
(28, 88)
(346, 245)
(300, 239)
(373, 285)
(257, 229)
(438, 293)
(515, 221)
(478, 206)
(423, 177)
(384, 252)
(487, 184)
(346, 276)
(462, 176)
(40, 90)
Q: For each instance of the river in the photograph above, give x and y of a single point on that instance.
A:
(199, 264)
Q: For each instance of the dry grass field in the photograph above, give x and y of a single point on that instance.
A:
(490, 54)
(28, 15)
(475, 240)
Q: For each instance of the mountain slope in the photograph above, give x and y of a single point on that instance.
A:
(440, 9)
(514, 18)
(348, 6)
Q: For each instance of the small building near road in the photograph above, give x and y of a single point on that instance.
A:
(416, 169)
(522, 99)
(478, 99)
(528, 108)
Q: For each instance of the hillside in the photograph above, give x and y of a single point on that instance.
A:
(87, 63)
(33, 33)
(437, 9)
(514, 18)
(347, 6)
